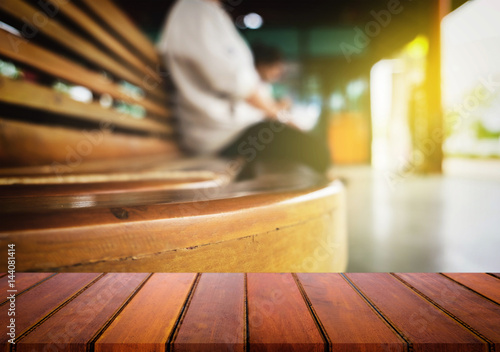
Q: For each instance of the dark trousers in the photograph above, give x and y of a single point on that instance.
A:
(270, 140)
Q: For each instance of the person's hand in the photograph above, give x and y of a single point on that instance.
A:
(285, 117)
(284, 103)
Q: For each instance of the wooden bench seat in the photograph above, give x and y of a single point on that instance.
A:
(92, 177)
(262, 224)
(254, 312)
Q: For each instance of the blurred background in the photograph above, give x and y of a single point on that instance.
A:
(409, 100)
(407, 95)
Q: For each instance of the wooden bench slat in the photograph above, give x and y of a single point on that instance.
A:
(496, 275)
(59, 33)
(447, 293)
(36, 96)
(35, 304)
(427, 328)
(10, 193)
(122, 24)
(23, 281)
(149, 318)
(77, 323)
(24, 51)
(278, 316)
(192, 166)
(101, 35)
(350, 323)
(25, 143)
(484, 284)
(215, 318)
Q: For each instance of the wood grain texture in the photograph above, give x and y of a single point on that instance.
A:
(186, 168)
(215, 319)
(35, 304)
(484, 284)
(22, 282)
(350, 323)
(427, 328)
(109, 41)
(55, 192)
(147, 321)
(36, 96)
(23, 143)
(122, 24)
(27, 53)
(262, 232)
(284, 312)
(269, 251)
(278, 316)
(78, 322)
(497, 275)
(460, 302)
(68, 38)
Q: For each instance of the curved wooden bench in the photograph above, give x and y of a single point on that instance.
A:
(270, 223)
(92, 187)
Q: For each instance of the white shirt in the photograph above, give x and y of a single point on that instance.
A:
(213, 71)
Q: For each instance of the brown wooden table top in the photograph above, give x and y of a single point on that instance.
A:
(252, 312)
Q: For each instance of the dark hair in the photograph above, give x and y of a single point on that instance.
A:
(266, 55)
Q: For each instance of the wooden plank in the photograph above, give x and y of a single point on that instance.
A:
(188, 168)
(100, 34)
(350, 323)
(107, 187)
(36, 96)
(24, 143)
(121, 24)
(23, 281)
(114, 176)
(497, 275)
(156, 306)
(75, 325)
(220, 235)
(37, 303)
(422, 324)
(484, 284)
(278, 316)
(57, 32)
(215, 320)
(27, 53)
(470, 308)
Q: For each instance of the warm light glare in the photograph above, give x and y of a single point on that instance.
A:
(418, 48)
(471, 97)
(381, 107)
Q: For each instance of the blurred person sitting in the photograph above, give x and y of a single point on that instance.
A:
(224, 106)
(270, 63)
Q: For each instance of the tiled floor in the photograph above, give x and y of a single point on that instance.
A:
(423, 224)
